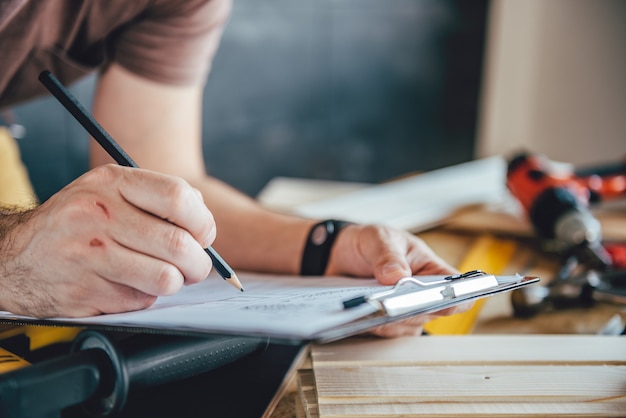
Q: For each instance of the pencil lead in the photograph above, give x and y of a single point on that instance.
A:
(234, 280)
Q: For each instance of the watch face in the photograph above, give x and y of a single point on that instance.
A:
(319, 235)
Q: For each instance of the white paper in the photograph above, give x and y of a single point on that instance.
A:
(290, 307)
(287, 306)
(418, 202)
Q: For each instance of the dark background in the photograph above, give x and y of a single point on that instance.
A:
(357, 90)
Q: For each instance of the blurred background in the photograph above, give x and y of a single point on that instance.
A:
(368, 90)
(555, 80)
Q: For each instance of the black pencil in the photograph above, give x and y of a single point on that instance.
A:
(65, 97)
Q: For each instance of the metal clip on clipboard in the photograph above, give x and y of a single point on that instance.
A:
(396, 302)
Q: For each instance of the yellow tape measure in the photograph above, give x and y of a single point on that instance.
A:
(488, 254)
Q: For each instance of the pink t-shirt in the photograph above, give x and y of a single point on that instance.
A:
(168, 41)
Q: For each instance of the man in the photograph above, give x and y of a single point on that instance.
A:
(117, 238)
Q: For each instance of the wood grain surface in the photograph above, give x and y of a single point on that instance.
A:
(570, 376)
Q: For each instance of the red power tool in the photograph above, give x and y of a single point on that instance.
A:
(557, 202)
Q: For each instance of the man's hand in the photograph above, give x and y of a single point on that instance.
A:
(111, 241)
(389, 255)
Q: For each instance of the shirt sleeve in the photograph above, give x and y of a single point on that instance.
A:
(172, 42)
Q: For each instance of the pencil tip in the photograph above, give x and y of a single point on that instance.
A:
(234, 280)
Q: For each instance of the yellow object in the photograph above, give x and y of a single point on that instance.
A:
(488, 254)
(15, 187)
(16, 191)
(40, 336)
(10, 362)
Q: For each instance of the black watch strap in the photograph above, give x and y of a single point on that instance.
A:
(318, 245)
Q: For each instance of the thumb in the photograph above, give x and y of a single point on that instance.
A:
(392, 269)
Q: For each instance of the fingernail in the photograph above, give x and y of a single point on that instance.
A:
(207, 241)
(210, 238)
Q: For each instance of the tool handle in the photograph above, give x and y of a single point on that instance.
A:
(145, 360)
(104, 368)
(47, 388)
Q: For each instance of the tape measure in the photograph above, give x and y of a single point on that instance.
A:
(488, 254)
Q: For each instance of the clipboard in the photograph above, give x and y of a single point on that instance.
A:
(395, 302)
(293, 309)
(412, 296)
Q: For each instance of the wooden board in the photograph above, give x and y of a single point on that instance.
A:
(307, 401)
(534, 375)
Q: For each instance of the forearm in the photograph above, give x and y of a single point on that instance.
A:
(159, 126)
(251, 237)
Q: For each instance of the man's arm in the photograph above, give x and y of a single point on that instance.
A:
(159, 126)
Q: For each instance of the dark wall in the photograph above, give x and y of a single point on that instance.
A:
(361, 90)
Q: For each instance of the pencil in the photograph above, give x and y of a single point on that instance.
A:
(65, 97)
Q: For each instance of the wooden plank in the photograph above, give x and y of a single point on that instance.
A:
(308, 393)
(455, 410)
(477, 375)
(359, 385)
(472, 349)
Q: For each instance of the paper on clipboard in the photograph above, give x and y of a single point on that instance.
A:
(281, 307)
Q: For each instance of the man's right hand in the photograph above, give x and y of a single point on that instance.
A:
(111, 241)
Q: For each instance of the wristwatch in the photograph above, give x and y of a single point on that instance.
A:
(318, 245)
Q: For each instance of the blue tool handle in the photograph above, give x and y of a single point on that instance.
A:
(43, 390)
(144, 360)
(104, 368)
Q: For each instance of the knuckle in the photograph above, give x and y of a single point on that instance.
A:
(379, 234)
(168, 280)
(180, 193)
(177, 241)
(104, 173)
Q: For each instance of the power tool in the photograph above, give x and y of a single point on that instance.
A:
(104, 368)
(557, 202)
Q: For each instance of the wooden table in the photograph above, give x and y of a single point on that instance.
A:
(496, 316)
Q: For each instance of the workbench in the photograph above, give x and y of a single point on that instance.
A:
(496, 320)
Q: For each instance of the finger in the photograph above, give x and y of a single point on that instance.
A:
(123, 299)
(424, 260)
(154, 237)
(91, 295)
(146, 274)
(170, 198)
(396, 330)
(414, 325)
(464, 307)
(387, 253)
(107, 297)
